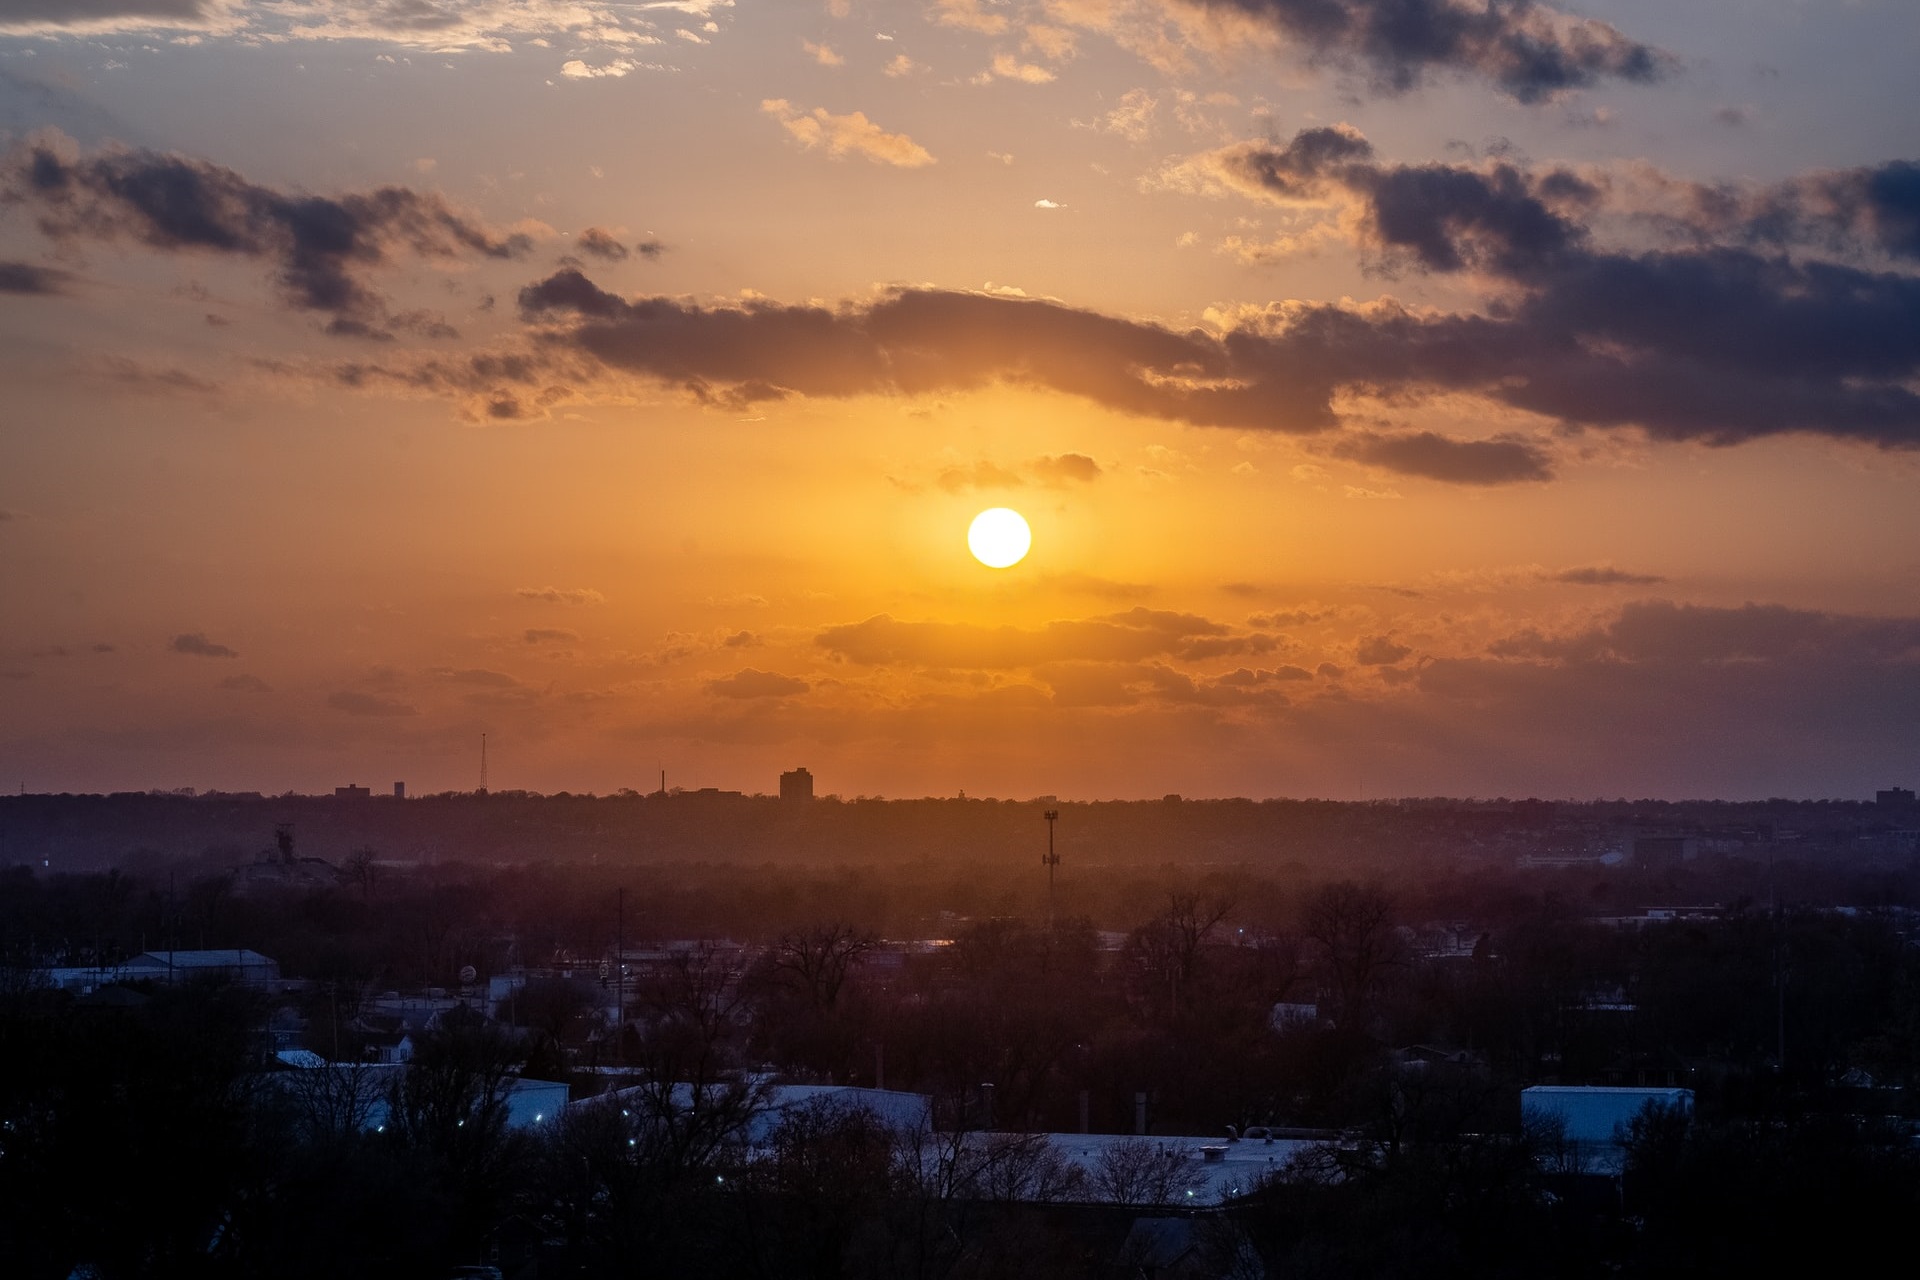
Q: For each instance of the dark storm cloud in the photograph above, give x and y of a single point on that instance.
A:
(1120, 637)
(1436, 457)
(197, 644)
(321, 248)
(26, 278)
(1601, 575)
(752, 683)
(1530, 51)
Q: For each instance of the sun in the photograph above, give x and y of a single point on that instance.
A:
(999, 537)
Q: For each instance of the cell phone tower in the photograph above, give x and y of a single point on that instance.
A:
(1051, 860)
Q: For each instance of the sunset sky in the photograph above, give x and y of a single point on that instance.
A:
(1407, 397)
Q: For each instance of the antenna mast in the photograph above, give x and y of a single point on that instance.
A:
(1050, 860)
(483, 764)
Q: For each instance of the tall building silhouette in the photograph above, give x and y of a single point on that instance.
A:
(797, 784)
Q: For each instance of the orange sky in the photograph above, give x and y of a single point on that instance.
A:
(1395, 414)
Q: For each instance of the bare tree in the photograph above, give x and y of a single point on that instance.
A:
(336, 1100)
(1140, 1171)
(815, 961)
(1351, 927)
(1167, 949)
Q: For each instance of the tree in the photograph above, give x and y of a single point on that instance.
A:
(1140, 1171)
(1351, 928)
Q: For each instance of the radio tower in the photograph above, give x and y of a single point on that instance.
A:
(483, 764)
(1050, 860)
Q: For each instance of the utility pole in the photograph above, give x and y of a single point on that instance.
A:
(620, 962)
(1779, 971)
(1050, 861)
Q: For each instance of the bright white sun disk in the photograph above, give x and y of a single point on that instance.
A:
(999, 537)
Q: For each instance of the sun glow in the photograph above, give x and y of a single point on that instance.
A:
(999, 537)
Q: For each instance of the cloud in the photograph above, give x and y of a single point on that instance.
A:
(1435, 457)
(550, 635)
(1006, 66)
(742, 640)
(1527, 50)
(1660, 631)
(1065, 469)
(100, 16)
(1602, 575)
(1120, 637)
(970, 15)
(1379, 651)
(577, 69)
(1869, 209)
(368, 704)
(1090, 684)
(199, 646)
(823, 54)
(561, 595)
(490, 386)
(979, 475)
(1225, 647)
(26, 278)
(750, 683)
(478, 677)
(598, 242)
(1286, 617)
(850, 134)
(131, 375)
(322, 249)
(1133, 118)
(245, 684)
(1718, 341)
(443, 26)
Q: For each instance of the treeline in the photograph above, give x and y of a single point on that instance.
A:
(153, 833)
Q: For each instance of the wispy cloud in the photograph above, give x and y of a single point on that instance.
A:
(847, 135)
